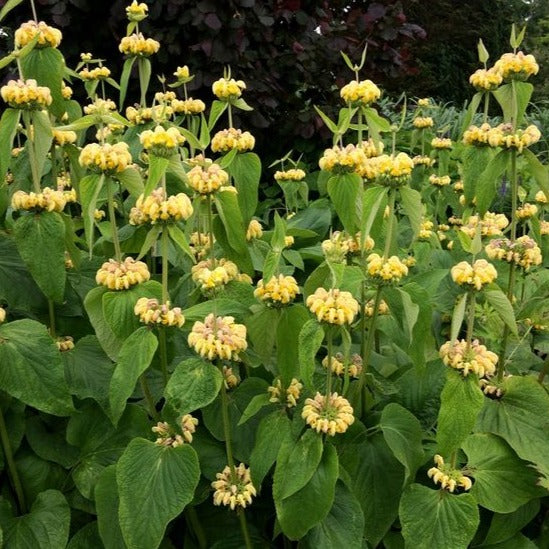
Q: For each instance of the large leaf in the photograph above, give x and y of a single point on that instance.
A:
(261, 329)
(8, 128)
(521, 417)
(155, 484)
(346, 194)
(31, 368)
(403, 434)
(246, 172)
(515, 95)
(501, 304)
(106, 503)
(45, 527)
(157, 169)
(89, 189)
(371, 204)
(194, 384)
(538, 170)
(460, 403)
(413, 208)
(289, 327)
(40, 240)
(134, 358)
(311, 336)
(489, 180)
(42, 138)
(436, 518)
(503, 482)
(504, 526)
(311, 504)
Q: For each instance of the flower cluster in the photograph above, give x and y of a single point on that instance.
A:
(439, 180)
(342, 159)
(207, 178)
(328, 414)
(388, 170)
(2, 315)
(356, 93)
(523, 252)
(526, 211)
(65, 343)
(142, 115)
(422, 160)
(150, 311)
(254, 230)
(338, 365)
(475, 276)
(425, 229)
(372, 148)
(156, 207)
(228, 89)
(386, 270)
(449, 478)
(137, 45)
(382, 308)
(26, 94)
(218, 337)
(490, 389)
(200, 244)
(333, 306)
(474, 358)
(441, 143)
(491, 224)
(49, 200)
(230, 379)
(117, 275)
(231, 138)
(100, 106)
(98, 73)
(136, 12)
(504, 136)
(294, 174)
(188, 106)
(486, 79)
(61, 137)
(161, 142)
(516, 66)
(48, 37)
(166, 436)
(422, 122)
(233, 490)
(340, 245)
(182, 73)
(106, 158)
(212, 275)
(291, 393)
(278, 291)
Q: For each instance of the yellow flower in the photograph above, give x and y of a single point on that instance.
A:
(65, 343)
(66, 91)
(98, 215)
(230, 379)
(188, 425)
(86, 56)
(234, 491)
(165, 97)
(292, 392)
(150, 311)
(338, 368)
(100, 106)
(544, 227)
(372, 148)
(439, 180)
(342, 160)
(166, 436)
(526, 211)
(329, 414)
(386, 270)
(360, 93)
(422, 160)
(136, 12)
(47, 36)
(231, 138)
(161, 142)
(477, 136)
(218, 337)
(48, 200)
(516, 66)
(426, 230)
(254, 230)
(278, 291)
(458, 186)
(156, 207)
(448, 478)
(476, 358)
(2, 315)
(212, 276)
(524, 252)
(422, 122)
(228, 89)
(122, 275)
(506, 136)
(188, 106)
(541, 197)
(26, 94)
(333, 306)
(106, 158)
(388, 170)
(208, 178)
(294, 174)
(142, 115)
(200, 244)
(486, 79)
(477, 275)
(424, 102)
(382, 309)
(99, 73)
(491, 224)
(182, 73)
(61, 137)
(288, 241)
(441, 143)
(138, 46)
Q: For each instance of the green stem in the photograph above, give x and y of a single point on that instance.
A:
(360, 129)
(227, 428)
(163, 350)
(471, 319)
(164, 243)
(14, 475)
(329, 340)
(390, 223)
(486, 107)
(32, 152)
(210, 228)
(149, 398)
(51, 310)
(244, 527)
(371, 339)
(112, 218)
(230, 113)
(34, 14)
(192, 520)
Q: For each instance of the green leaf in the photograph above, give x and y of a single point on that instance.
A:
(245, 169)
(376, 123)
(157, 169)
(194, 384)
(483, 54)
(538, 170)
(130, 180)
(45, 527)
(505, 97)
(32, 370)
(521, 418)
(311, 336)
(403, 434)
(489, 180)
(179, 238)
(296, 463)
(191, 138)
(377, 483)
(457, 316)
(413, 208)
(134, 358)
(216, 110)
(144, 68)
(8, 6)
(90, 187)
(471, 111)
(372, 200)
(40, 240)
(256, 404)
(342, 527)
(42, 138)
(262, 328)
(460, 402)
(436, 518)
(503, 482)
(106, 503)
(504, 526)
(310, 505)
(8, 129)
(501, 304)
(150, 240)
(220, 306)
(155, 484)
(241, 104)
(474, 161)
(331, 125)
(86, 537)
(124, 79)
(346, 194)
(272, 431)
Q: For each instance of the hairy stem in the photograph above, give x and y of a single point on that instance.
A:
(148, 397)
(112, 218)
(244, 527)
(390, 223)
